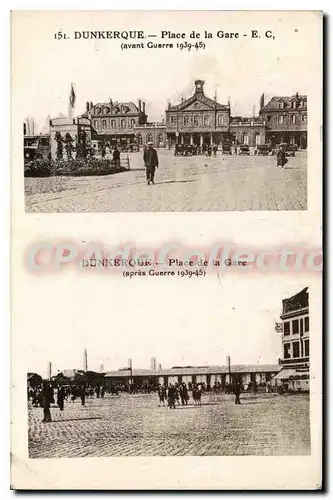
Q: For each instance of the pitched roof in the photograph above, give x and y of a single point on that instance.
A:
(114, 109)
(272, 103)
(195, 370)
(201, 97)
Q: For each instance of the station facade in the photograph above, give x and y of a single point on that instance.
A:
(208, 375)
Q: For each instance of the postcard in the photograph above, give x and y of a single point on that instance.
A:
(166, 250)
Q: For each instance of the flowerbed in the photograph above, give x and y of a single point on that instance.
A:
(91, 166)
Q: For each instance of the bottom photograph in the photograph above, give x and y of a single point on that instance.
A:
(232, 408)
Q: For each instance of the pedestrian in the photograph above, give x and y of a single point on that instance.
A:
(237, 392)
(47, 395)
(214, 149)
(102, 391)
(116, 157)
(281, 157)
(61, 398)
(150, 159)
(83, 395)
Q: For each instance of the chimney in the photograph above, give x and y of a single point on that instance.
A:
(144, 107)
(87, 106)
(85, 360)
(49, 370)
(140, 105)
(91, 105)
(153, 363)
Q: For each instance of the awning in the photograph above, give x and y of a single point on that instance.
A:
(284, 374)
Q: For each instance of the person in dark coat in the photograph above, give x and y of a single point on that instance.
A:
(116, 156)
(150, 159)
(237, 392)
(47, 395)
(61, 398)
(281, 157)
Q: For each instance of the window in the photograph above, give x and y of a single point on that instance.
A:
(304, 118)
(306, 323)
(195, 121)
(301, 325)
(306, 348)
(149, 137)
(293, 104)
(187, 121)
(295, 326)
(269, 117)
(95, 123)
(103, 123)
(206, 119)
(293, 119)
(139, 139)
(113, 123)
(286, 349)
(245, 138)
(257, 138)
(295, 349)
(286, 328)
(281, 120)
(132, 122)
(160, 138)
(281, 105)
(173, 121)
(106, 110)
(122, 123)
(220, 119)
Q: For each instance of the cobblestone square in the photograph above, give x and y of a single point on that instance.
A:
(190, 183)
(134, 425)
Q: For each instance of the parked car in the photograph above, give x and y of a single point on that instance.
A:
(263, 149)
(244, 149)
(289, 149)
(226, 149)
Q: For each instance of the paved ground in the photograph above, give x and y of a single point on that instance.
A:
(194, 183)
(135, 425)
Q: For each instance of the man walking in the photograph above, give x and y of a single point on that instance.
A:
(237, 391)
(47, 395)
(150, 159)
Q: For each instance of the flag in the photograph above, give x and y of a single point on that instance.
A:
(72, 97)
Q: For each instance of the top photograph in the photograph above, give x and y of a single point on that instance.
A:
(152, 128)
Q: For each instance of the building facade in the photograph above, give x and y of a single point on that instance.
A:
(198, 120)
(208, 375)
(286, 120)
(248, 131)
(295, 342)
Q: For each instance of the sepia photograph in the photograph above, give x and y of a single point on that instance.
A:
(256, 408)
(208, 129)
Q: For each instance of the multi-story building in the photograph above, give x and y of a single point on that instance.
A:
(295, 341)
(286, 119)
(115, 122)
(198, 119)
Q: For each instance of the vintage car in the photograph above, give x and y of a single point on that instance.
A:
(226, 148)
(290, 149)
(244, 149)
(263, 149)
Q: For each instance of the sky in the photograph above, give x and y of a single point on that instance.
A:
(99, 70)
(180, 322)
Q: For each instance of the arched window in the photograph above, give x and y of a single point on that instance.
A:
(132, 122)
(103, 123)
(139, 137)
(95, 123)
(149, 137)
(160, 138)
(245, 138)
(122, 123)
(257, 138)
(113, 123)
